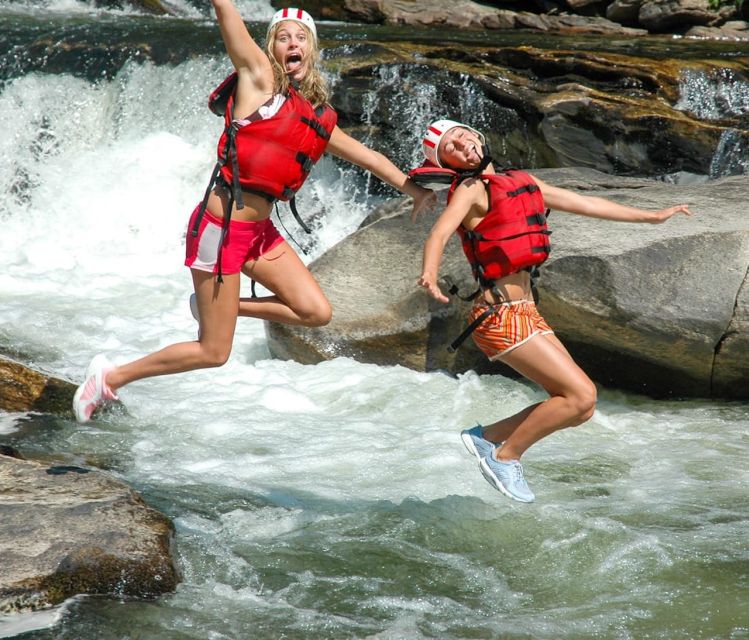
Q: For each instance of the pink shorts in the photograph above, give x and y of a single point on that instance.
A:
(245, 240)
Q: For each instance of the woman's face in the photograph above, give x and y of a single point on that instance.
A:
(291, 46)
(460, 148)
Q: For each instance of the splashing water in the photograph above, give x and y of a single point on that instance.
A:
(335, 500)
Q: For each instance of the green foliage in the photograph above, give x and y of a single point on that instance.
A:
(717, 4)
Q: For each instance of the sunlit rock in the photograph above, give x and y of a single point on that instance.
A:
(68, 530)
(658, 309)
(664, 15)
(25, 389)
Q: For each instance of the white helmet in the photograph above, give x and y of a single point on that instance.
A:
(434, 134)
(297, 15)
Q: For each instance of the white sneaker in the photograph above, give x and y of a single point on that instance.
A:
(507, 477)
(475, 443)
(194, 307)
(94, 391)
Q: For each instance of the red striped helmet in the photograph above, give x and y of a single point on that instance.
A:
(434, 134)
(297, 15)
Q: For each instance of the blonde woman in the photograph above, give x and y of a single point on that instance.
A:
(278, 123)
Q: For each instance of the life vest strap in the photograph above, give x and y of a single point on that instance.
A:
(470, 329)
(530, 188)
(317, 126)
(204, 203)
(295, 213)
(453, 291)
(306, 162)
(536, 219)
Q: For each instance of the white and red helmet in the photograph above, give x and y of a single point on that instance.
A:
(434, 134)
(297, 15)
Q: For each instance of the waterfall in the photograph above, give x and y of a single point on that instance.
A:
(714, 96)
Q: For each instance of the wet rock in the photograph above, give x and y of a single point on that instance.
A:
(69, 530)
(25, 389)
(582, 16)
(660, 16)
(546, 107)
(734, 30)
(641, 307)
(150, 6)
(624, 11)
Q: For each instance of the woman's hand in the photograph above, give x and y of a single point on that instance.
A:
(665, 214)
(429, 283)
(425, 200)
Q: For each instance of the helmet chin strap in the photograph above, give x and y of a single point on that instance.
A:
(486, 160)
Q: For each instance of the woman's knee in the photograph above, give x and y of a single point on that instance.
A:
(214, 355)
(584, 402)
(317, 315)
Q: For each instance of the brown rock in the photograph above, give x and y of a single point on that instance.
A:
(24, 389)
(68, 530)
(664, 15)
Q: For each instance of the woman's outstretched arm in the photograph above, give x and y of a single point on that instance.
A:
(344, 146)
(595, 207)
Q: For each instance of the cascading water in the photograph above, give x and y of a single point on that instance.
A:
(714, 97)
(335, 500)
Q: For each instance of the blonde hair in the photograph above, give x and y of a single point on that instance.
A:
(313, 86)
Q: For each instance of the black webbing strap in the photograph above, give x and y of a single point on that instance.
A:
(470, 329)
(204, 203)
(304, 160)
(232, 155)
(530, 188)
(454, 292)
(537, 218)
(317, 126)
(224, 231)
(295, 213)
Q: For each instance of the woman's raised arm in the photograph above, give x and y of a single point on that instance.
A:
(248, 58)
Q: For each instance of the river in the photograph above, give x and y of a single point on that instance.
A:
(325, 501)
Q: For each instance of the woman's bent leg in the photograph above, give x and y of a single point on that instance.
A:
(218, 305)
(544, 360)
(298, 298)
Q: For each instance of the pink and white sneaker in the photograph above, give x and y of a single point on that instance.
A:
(94, 391)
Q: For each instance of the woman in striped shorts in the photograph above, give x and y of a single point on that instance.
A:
(512, 330)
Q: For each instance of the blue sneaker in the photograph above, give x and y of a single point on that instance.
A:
(507, 477)
(474, 441)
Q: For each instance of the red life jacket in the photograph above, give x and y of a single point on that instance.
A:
(272, 156)
(513, 235)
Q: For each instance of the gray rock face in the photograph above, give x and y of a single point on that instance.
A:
(66, 531)
(660, 309)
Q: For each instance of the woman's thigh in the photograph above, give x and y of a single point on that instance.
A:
(218, 305)
(282, 272)
(544, 360)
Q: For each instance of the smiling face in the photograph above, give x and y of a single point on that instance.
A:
(292, 43)
(460, 148)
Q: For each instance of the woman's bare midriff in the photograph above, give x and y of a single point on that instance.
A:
(255, 208)
(516, 286)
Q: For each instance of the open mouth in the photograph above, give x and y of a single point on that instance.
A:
(293, 62)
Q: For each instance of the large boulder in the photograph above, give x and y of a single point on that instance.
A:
(660, 309)
(68, 530)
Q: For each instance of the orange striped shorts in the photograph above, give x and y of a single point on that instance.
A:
(512, 324)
